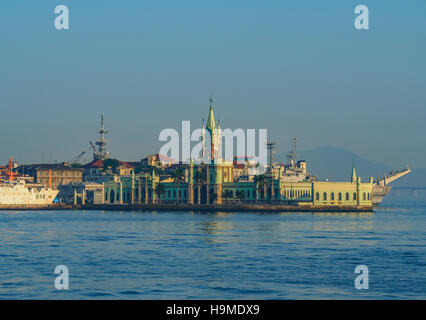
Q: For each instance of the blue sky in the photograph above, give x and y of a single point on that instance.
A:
(298, 68)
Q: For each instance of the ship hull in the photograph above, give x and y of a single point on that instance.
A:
(17, 193)
(379, 192)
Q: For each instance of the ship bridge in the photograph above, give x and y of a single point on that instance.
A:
(394, 175)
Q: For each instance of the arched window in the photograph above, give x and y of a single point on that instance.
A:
(340, 196)
(332, 196)
(368, 196)
(174, 193)
(324, 196)
(317, 196)
(347, 196)
(364, 197)
(354, 196)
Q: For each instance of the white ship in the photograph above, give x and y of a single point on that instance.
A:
(17, 192)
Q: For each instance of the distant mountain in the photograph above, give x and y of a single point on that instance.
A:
(336, 164)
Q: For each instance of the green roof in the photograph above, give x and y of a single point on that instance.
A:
(211, 126)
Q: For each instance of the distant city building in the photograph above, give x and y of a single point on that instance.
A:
(157, 160)
(99, 171)
(52, 174)
(77, 193)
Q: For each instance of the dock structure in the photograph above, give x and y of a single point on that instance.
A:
(225, 208)
(32, 207)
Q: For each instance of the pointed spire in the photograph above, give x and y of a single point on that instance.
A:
(203, 131)
(353, 172)
(211, 125)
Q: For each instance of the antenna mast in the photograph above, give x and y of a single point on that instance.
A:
(271, 147)
(292, 155)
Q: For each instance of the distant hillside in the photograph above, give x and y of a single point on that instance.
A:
(336, 164)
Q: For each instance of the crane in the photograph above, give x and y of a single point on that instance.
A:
(77, 159)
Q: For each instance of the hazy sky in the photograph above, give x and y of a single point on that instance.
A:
(298, 68)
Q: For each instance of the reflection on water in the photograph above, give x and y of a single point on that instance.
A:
(215, 231)
(193, 255)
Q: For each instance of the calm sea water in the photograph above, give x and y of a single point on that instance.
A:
(190, 255)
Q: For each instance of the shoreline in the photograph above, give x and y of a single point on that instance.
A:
(193, 207)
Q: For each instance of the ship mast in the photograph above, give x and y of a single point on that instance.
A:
(102, 153)
(9, 171)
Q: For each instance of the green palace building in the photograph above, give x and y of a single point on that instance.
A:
(215, 182)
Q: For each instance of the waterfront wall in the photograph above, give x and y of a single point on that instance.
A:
(53, 206)
(228, 207)
(194, 207)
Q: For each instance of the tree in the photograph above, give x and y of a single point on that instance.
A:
(259, 180)
(159, 191)
(148, 169)
(265, 184)
(213, 196)
(200, 178)
(241, 195)
(110, 164)
(178, 178)
(226, 194)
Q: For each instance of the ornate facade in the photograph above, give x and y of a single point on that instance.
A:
(211, 180)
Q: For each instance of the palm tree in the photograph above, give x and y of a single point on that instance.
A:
(226, 194)
(200, 178)
(178, 178)
(241, 195)
(159, 191)
(265, 185)
(146, 188)
(212, 196)
(259, 180)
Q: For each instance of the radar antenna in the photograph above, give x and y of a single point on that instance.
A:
(292, 155)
